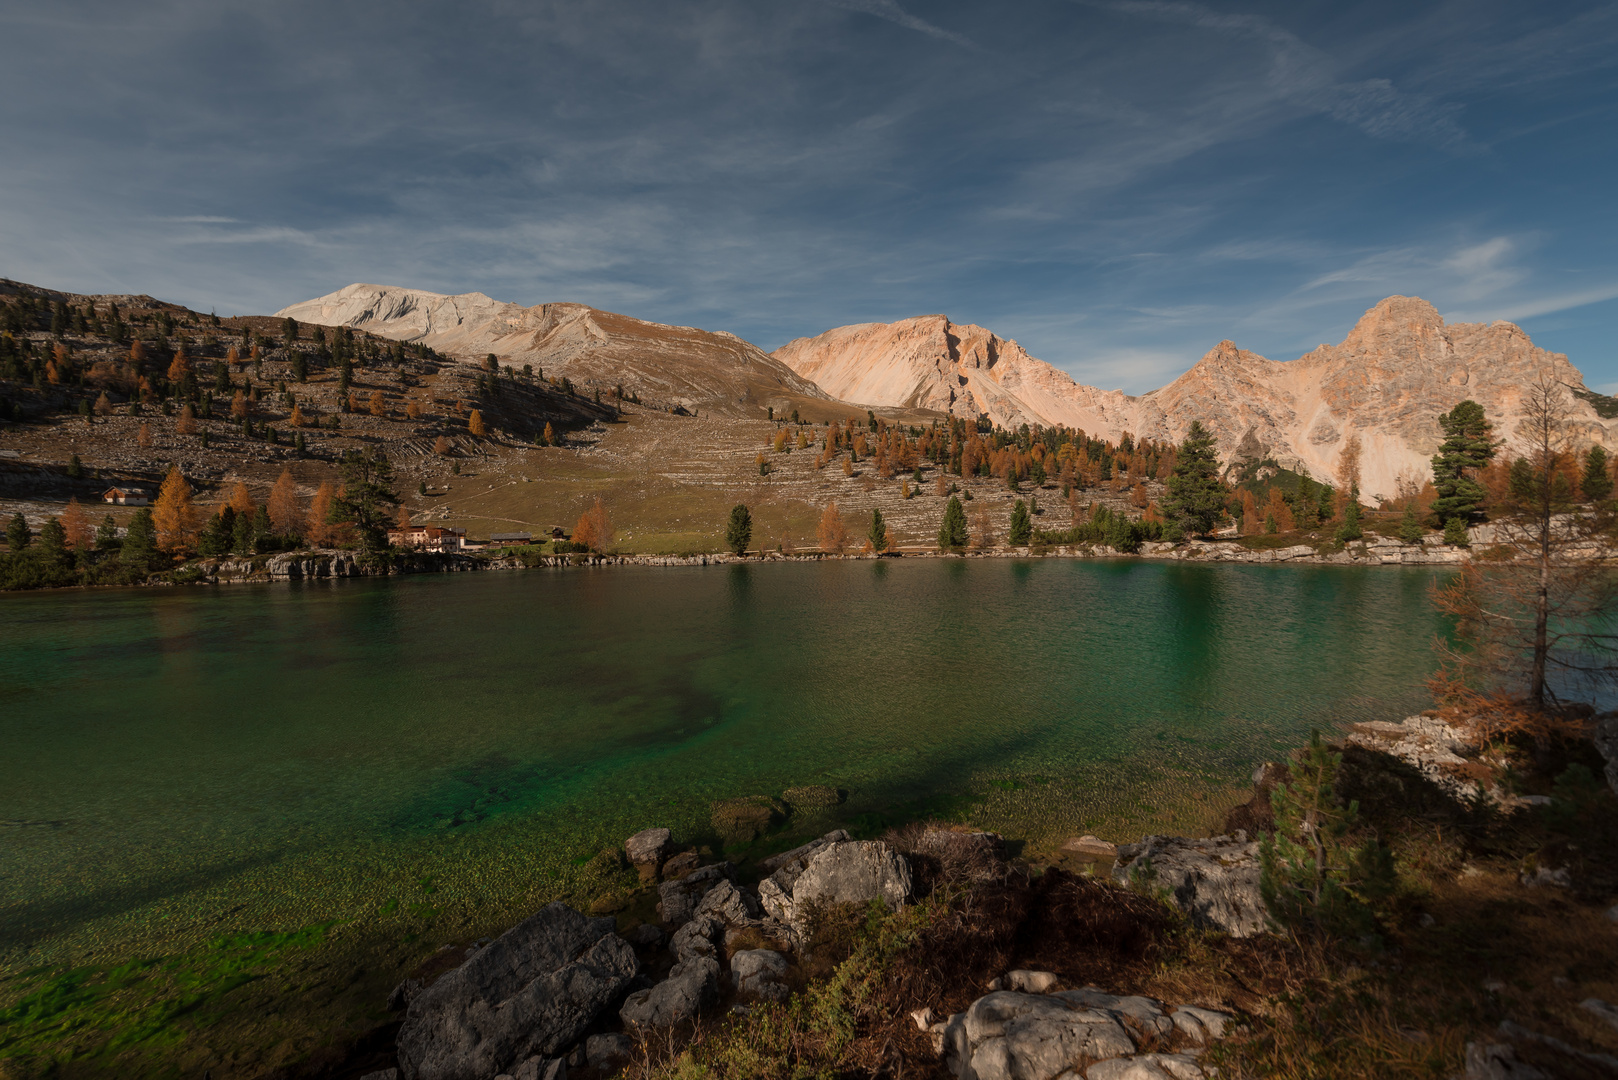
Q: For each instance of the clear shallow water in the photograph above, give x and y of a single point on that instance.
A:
(188, 759)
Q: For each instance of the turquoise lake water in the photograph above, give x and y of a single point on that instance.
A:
(182, 759)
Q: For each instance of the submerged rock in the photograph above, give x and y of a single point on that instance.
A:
(1214, 880)
(531, 992)
(649, 847)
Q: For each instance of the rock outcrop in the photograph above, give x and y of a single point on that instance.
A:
(1214, 880)
(1398, 368)
(529, 993)
(708, 371)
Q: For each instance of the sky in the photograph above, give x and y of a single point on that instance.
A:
(1118, 185)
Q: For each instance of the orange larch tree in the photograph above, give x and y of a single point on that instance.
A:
(320, 532)
(241, 500)
(283, 506)
(187, 423)
(474, 423)
(76, 525)
(144, 439)
(174, 515)
(594, 529)
(831, 532)
(379, 405)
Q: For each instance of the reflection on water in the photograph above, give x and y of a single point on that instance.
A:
(254, 742)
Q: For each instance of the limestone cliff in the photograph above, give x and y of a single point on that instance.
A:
(1396, 371)
(713, 372)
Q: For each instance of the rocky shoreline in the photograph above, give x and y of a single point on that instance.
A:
(563, 994)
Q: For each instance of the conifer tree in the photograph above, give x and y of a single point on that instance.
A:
(1467, 448)
(144, 439)
(320, 530)
(140, 542)
(53, 541)
(594, 529)
(379, 406)
(1022, 525)
(107, 534)
(174, 516)
(878, 535)
(831, 532)
(367, 496)
(1410, 530)
(474, 423)
(1596, 483)
(952, 533)
(18, 534)
(739, 530)
(283, 506)
(1196, 497)
(1350, 528)
(76, 527)
(187, 423)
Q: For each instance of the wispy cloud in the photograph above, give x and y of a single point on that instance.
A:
(893, 13)
(1515, 310)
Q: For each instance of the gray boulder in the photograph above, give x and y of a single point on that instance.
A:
(690, 985)
(1011, 1036)
(843, 872)
(1214, 881)
(530, 992)
(760, 973)
(699, 937)
(775, 891)
(649, 847)
(728, 905)
(1147, 1067)
(539, 1068)
(678, 900)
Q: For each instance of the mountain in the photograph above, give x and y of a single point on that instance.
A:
(1399, 367)
(711, 372)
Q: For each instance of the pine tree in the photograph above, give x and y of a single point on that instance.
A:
(1410, 530)
(1022, 525)
(1467, 447)
(107, 534)
(1310, 878)
(18, 534)
(739, 530)
(879, 532)
(53, 541)
(952, 533)
(1196, 495)
(1596, 483)
(140, 542)
(367, 496)
(1350, 528)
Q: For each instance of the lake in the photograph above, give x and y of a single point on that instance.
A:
(178, 762)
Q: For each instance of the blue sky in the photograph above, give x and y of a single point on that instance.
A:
(1117, 185)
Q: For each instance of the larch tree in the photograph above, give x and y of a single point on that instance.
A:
(441, 446)
(241, 500)
(144, 438)
(187, 423)
(1535, 622)
(595, 527)
(413, 409)
(174, 515)
(379, 404)
(282, 504)
(80, 535)
(180, 367)
(238, 405)
(831, 532)
(323, 529)
(474, 423)
(550, 434)
(982, 530)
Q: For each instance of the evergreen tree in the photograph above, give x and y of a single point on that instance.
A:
(107, 534)
(739, 530)
(1467, 447)
(220, 534)
(1196, 497)
(1455, 531)
(1410, 530)
(368, 497)
(1309, 876)
(1350, 528)
(952, 533)
(18, 534)
(1597, 481)
(140, 541)
(878, 536)
(53, 541)
(1022, 525)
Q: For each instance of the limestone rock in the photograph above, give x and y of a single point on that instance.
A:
(649, 847)
(1090, 847)
(1030, 982)
(1215, 881)
(690, 985)
(1398, 368)
(728, 904)
(760, 973)
(1147, 1067)
(852, 872)
(699, 937)
(775, 891)
(532, 991)
(1010, 1036)
(712, 371)
(678, 899)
